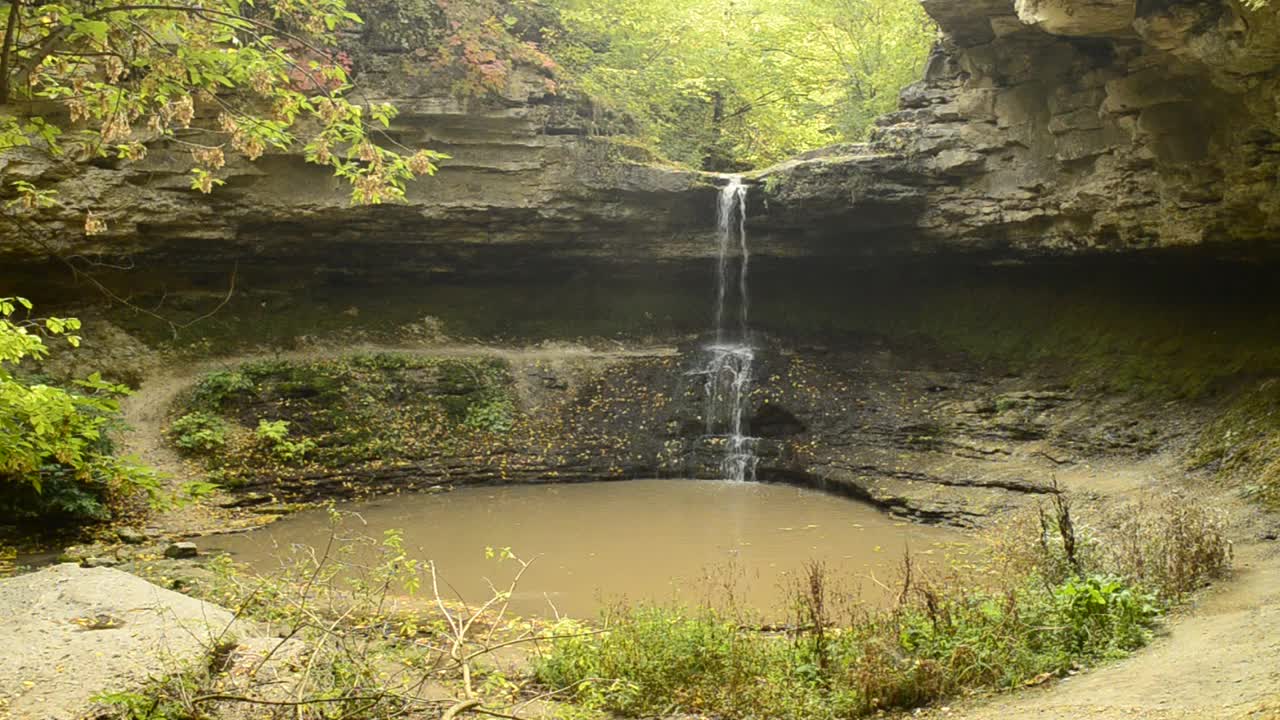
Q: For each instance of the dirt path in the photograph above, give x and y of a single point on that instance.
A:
(1219, 660)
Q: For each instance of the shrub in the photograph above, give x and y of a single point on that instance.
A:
(214, 390)
(63, 499)
(274, 435)
(1170, 543)
(937, 642)
(56, 457)
(1103, 617)
(1069, 595)
(335, 608)
(199, 433)
(1167, 544)
(653, 660)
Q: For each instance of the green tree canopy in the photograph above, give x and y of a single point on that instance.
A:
(728, 84)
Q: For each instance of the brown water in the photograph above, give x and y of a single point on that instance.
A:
(644, 540)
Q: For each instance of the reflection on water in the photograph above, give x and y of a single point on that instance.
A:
(646, 540)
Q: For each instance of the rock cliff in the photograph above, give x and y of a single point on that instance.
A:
(525, 172)
(1056, 126)
(1042, 126)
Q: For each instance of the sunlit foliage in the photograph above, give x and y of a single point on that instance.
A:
(726, 84)
(56, 454)
(88, 79)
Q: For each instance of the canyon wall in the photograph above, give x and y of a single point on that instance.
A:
(1041, 127)
(1054, 126)
(528, 176)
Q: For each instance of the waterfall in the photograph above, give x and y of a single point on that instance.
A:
(730, 356)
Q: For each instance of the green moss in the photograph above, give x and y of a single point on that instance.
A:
(1115, 342)
(1243, 443)
(350, 414)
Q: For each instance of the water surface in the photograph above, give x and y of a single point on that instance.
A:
(643, 540)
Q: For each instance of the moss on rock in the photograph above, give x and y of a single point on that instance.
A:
(352, 413)
(1243, 443)
(361, 424)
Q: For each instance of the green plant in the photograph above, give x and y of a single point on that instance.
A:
(274, 435)
(251, 78)
(214, 390)
(653, 660)
(62, 499)
(1105, 616)
(199, 433)
(492, 414)
(359, 414)
(936, 642)
(1067, 595)
(56, 455)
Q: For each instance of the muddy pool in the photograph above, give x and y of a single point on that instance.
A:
(593, 544)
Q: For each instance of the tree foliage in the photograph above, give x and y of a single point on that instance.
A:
(86, 79)
(54, 443)
(485, 43)
(726, 84)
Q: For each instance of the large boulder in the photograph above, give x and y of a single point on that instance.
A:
(68, 633)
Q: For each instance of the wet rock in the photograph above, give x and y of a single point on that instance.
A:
(98, 561)
(131, 536)
(181, 551)
(80, 553)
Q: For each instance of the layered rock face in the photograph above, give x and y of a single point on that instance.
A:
(1042, 126)
(524, 173)
(1060, 126)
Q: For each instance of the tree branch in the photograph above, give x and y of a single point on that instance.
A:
(10, 30)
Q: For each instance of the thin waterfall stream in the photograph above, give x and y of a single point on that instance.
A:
(730, 356)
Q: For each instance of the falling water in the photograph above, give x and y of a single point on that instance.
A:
(730, 356)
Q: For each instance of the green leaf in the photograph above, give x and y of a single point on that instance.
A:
(96, 29)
